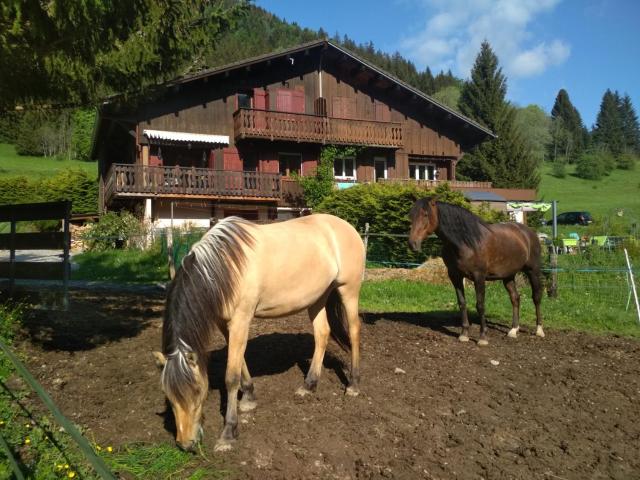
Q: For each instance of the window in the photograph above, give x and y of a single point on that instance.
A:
(380, 168)
(422, 171)
(344, 168)
(244, 100)
(290, 163)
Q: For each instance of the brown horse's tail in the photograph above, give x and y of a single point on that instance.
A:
(338, 320)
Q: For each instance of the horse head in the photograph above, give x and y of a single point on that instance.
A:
(424, 221)
(185, 383)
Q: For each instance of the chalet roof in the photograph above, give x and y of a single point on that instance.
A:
(328, 44)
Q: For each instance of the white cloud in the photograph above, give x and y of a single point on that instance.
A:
(451, 36)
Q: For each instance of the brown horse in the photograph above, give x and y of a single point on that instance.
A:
(480, 251)
(239, 271)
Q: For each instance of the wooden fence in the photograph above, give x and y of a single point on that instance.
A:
(13, 241)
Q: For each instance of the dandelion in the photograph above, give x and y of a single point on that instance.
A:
(59, 466)
(109, 449)
(27, 441)
(1, 423)
(27, 425)
(98, 448)
(71, 474)
(66, 466)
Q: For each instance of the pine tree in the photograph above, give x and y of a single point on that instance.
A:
(630, 126)
(507, 160)
(569, 136)
(608, 133)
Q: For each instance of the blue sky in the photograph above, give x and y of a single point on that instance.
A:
(583, 46)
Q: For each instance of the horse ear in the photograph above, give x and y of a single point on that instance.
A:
(192, 359)
(160, 359)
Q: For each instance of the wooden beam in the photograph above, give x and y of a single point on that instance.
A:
(33, 241)
(33, 270)
(33, 211)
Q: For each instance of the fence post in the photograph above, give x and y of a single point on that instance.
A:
(12, 257)
(366, 245)
(633, 283)
(172, 266)
(66, 268)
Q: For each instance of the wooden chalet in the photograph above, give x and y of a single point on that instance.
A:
(228, 140)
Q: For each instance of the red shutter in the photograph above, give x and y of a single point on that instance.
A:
(284, 100)
(232, 159)
(297, 101)
(269, 162)
(260, 99)
(155, 161)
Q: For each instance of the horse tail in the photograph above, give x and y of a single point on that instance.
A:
(337, 318)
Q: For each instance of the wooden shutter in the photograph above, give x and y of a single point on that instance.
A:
(284, 100)
(260, 99)
(232, 159)
(297, 101)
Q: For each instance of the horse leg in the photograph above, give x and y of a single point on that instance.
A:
(480, 286)
(248, 400)
(510, 285)
(238, 335)
(458, 284)
(349, 297)
(536, 294)
(321, 331)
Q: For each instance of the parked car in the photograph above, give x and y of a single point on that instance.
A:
(575, 218)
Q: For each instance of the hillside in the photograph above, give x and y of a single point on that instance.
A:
(12, 164)
(620, 190)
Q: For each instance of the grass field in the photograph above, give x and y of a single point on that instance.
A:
(12, 164)
(602, 198)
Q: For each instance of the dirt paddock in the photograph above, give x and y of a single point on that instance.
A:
(563, 407)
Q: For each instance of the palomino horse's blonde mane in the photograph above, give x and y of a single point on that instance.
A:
(203, 288)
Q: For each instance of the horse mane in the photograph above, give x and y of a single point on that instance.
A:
(198, 296)
(459, 226)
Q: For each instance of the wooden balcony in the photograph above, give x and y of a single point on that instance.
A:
(298, 127)
(124, 180)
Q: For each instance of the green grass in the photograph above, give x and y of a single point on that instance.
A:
(122, 266)
(12, 164)
(620, 190)
(575, 309)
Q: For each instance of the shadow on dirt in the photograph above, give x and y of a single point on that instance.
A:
(446, 322)
(93, 319)
(266, 355)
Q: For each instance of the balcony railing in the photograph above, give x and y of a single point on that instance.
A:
(298, 127)
(125, 180)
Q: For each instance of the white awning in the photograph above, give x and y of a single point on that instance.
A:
(186, 137)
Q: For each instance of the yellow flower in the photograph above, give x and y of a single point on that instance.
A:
(1, 423)
(59, 466)
(98, 448)
(27, 441)
(109, 449)
(66, 466)
(27, 425)
(71, 474)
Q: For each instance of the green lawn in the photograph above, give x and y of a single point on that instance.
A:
(602, 198)
(12, 164)
(575, 309)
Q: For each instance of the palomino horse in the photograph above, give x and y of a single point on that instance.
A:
(480, 251)
(239, 271)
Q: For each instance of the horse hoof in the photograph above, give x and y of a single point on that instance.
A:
(463, 338)
(223, 446)
(539, 332)
(513, 333)
(352, 391)
(482, 342)
(247, 405)
(303, 392)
